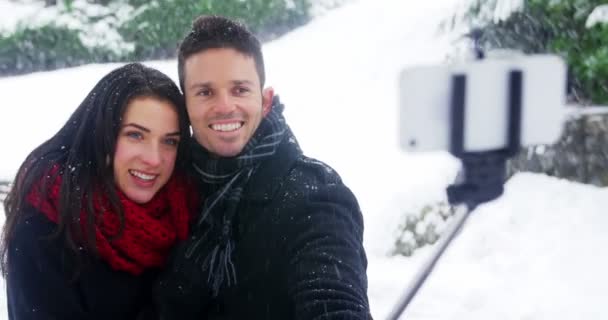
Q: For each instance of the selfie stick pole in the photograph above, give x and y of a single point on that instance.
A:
(483, 178)
(462, 213)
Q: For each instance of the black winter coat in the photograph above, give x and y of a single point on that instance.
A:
(40, 285)
(298, 254)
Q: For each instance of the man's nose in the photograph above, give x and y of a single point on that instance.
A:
(225, 103)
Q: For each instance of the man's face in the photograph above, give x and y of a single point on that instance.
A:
(224, 99)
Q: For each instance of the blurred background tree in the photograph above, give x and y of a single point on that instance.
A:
(267, 18)
(421, 227)
(74, 32)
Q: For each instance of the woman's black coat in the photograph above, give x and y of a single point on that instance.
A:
(40, 281)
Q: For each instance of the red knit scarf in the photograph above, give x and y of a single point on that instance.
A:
(150, 230)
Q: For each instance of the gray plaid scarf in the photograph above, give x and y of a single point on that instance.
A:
(213, 242)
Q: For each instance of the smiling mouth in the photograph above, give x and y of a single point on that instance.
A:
(143, 176)
(227, 127)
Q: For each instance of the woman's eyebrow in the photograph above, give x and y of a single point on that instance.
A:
(136, 126)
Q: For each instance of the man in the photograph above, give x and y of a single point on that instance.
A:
(279, 235)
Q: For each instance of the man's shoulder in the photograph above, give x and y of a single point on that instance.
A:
(293, 179)
(310, 178)
(307, 170)
(314, 196)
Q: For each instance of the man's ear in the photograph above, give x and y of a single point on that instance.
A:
(267, 95)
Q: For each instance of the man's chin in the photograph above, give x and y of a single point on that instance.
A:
(227, 151)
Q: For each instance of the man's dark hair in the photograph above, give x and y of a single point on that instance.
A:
(215, 32)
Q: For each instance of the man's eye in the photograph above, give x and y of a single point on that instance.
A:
(241, 90)
(203, 92)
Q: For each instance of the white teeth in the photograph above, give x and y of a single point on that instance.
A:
(226, 126)
(141, 175)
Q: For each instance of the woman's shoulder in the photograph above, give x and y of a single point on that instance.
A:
(33, 223)
(32, 236)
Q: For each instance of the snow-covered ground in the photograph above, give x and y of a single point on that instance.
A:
(535, 253)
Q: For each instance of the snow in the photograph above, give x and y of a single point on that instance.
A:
(100, 33)
(504, 9)
(492, 10)
(535, 253)
(599, 15)
(11, 13)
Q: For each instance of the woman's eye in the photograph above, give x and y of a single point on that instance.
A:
(172, 141)
(134, 135)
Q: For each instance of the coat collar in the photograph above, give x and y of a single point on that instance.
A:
(270, 175)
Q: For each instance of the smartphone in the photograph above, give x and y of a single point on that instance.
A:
(426, 94)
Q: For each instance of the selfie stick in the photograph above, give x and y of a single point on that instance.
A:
(483, 176)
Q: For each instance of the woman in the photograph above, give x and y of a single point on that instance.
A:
(95, 210)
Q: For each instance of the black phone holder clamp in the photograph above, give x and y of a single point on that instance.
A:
(483, 173)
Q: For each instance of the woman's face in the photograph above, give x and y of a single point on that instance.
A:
(146, 148)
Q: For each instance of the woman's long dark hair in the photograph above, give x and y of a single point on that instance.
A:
(82, 152)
